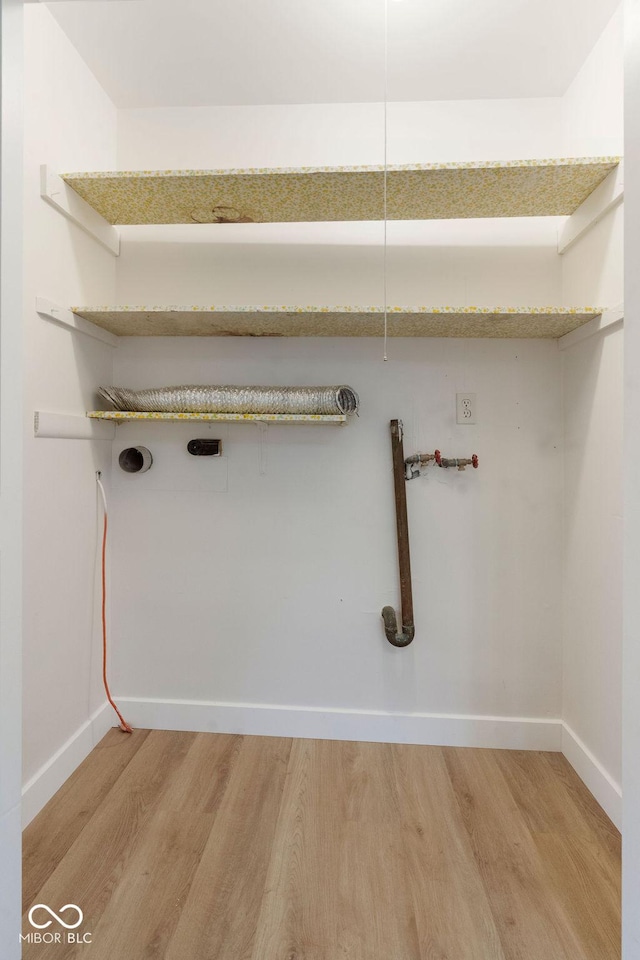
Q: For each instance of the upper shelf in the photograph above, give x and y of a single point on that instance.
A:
(318, 321)
(429, 191)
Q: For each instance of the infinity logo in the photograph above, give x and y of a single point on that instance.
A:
(56, 916)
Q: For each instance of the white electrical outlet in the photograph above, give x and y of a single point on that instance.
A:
(466, 409)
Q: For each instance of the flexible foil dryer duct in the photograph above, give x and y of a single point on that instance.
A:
(195, 399)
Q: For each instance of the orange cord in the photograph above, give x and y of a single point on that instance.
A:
(123, 723)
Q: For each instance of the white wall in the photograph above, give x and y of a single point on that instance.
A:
(593, 106)
(68, 122)
(487, 263)
(238, 583)
(241, 584)
(10, 473)
(631, 651)
(330, 134)
(592, 608)
(592, 398)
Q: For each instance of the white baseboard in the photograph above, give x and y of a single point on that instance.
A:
(506, 733)
(518, 733)
(50, 777)
(600, 783)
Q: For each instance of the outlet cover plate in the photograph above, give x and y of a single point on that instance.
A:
(466, 408)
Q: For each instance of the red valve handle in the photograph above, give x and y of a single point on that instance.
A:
(438, 457)
(474, 461)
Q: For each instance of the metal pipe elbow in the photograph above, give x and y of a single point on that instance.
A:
(391, 629)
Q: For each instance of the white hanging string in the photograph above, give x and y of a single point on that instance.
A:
(384, 200)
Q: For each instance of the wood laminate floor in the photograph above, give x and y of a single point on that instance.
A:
(185, 846)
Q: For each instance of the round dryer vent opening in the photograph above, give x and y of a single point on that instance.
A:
(135, 460)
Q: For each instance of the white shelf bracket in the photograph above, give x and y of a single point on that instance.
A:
(608, 320)
(65, 318)
(64, 426)
(604, 198)
(66, 201)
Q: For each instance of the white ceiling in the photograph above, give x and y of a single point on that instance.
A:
(149, 53)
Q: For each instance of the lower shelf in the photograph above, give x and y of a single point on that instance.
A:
(123, 416)
(352, 321)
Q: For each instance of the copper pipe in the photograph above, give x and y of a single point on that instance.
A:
(404, 559)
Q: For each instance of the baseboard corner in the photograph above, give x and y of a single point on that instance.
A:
(596, 778)
(49, 778)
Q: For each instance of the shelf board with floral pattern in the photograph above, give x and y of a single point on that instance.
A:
(124, 416)
(349, 321)
(427, 191)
